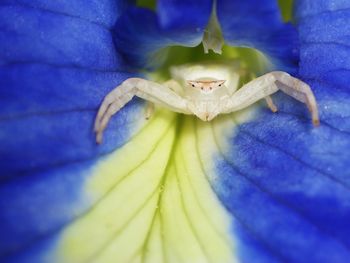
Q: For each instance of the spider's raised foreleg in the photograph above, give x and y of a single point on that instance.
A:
(268, 84)
(299, 90)
(121, 95)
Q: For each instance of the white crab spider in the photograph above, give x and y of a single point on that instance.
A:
(205, 91)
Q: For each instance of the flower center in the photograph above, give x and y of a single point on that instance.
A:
(251, 62)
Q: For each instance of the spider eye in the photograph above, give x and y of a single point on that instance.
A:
(202, 88)
(192, 85)
(210, 88)
(219, 85)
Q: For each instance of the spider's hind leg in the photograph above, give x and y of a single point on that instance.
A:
(149, 110)
(270, 104)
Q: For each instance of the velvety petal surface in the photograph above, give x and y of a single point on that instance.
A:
(258, 24)
(249, 187)
(285, 182)
(158, 206)
(103, 13)
(57, 63)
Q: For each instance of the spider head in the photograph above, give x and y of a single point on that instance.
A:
(206, 85)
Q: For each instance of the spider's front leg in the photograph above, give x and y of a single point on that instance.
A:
(268, 84)
(148, 90)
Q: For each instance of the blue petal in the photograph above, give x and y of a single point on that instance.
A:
(140, 34)
(59, 41)
(324, 56)
(183, 15)
(57, 62)
(55, 73)
(286, 183)
(50, 117)
(258, 24)
(103, 13)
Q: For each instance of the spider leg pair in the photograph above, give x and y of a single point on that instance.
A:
(266, 85)
(166, 95)
(162, 95)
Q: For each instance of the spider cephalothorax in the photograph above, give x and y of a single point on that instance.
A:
(212, 90)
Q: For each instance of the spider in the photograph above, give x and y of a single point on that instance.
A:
(205, 90)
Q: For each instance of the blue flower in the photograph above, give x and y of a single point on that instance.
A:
(248, 187)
